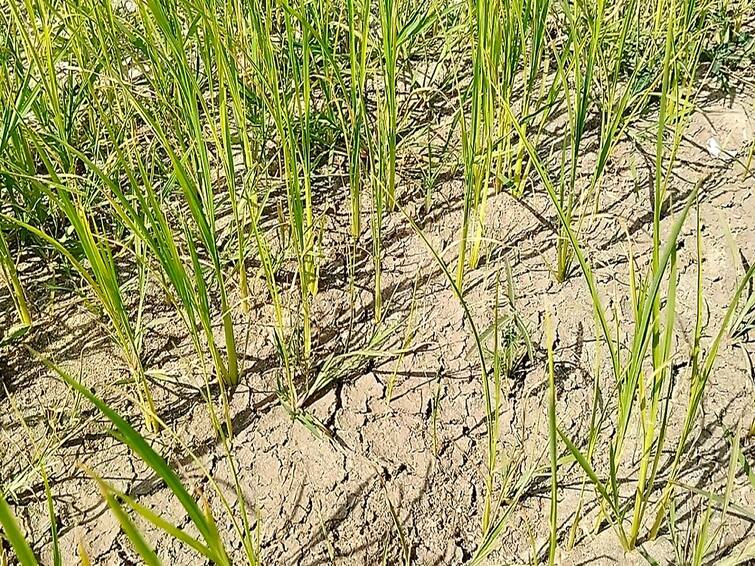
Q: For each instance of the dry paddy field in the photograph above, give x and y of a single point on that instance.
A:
(377, 282)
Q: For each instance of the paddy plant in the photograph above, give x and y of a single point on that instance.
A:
(631, 386)
(11, 277)
(511, 478)
(44, 129)
(190, 159)
(575, 76)
(525, 70)
(389, 29)
(15, 536)
(358, 14)
(642, 393)
(477, 130)
(509, 62)
(102, 276)
(291, 125)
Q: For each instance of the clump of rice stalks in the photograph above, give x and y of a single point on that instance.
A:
(358, 49)
(10, 274)
(292, 126)
(382, 146)
(389, 118)
(477, 133)
(507, 40)
(208, 543)
(744, 320)
(103, 279)
(190, 158)
(652, 337)
(575, 76)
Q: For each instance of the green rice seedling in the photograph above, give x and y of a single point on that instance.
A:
(338, 97)
(22, 200)
(576, 80)
(208, 543)
(655, 420)
(377, 211)
(101, 276)
(294, 149)
(516, 478)
(389, 13)
(358, 49)
(493, 414)
(476, 134)
(672, 101)
(190, 161)
(744, 318)
(7, 519)
(653, 333)
(404, 544)
(584, 77)
(336, 368)
(38, 465)
(744, 321)
(382, 147)
(498, 45)
(523, 64)
(597, 415)
(56, 555)
(12, 532)
(39, 50)
(409, 333)
(622, 97)
(702, 364)
(693, 543)
(430, 177)
(512, 345)
(10, 274)
(231, 104)
(140, 207)
(629, 375)
(509, 19)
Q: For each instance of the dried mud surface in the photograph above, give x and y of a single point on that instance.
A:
(317, 498)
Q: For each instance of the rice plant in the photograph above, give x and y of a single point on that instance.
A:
(477, 133)
(209, 543)
(101, 274)
(295, 151)
(10, 274)
(389, 118)
(190, 162)
(651, 338)
(358, 49)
